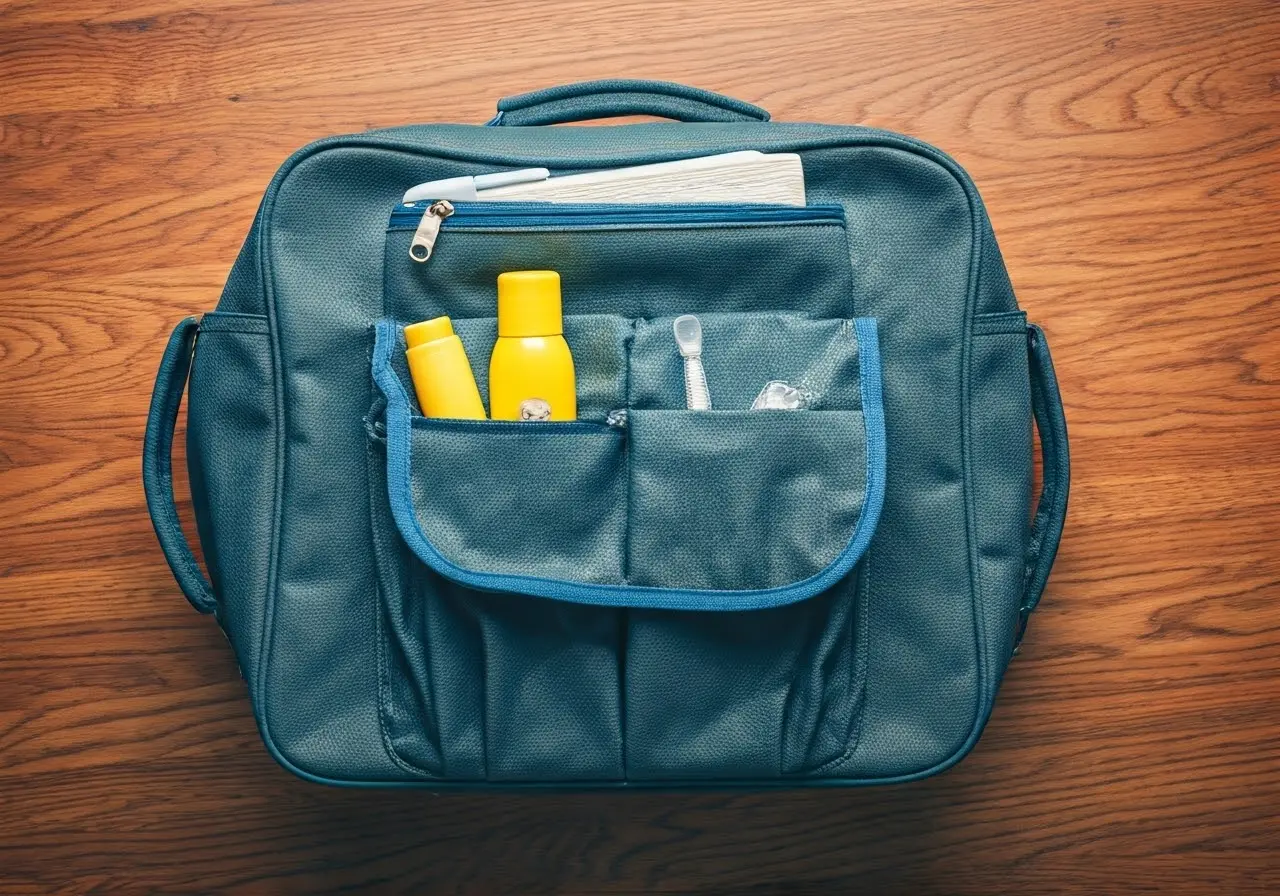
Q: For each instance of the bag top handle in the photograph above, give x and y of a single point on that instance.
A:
(621, 96)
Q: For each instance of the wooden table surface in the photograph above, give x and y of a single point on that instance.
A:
(1129, 154)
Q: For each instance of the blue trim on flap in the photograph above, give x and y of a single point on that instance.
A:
(399, 432)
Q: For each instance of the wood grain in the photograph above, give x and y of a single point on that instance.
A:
(1129, 153)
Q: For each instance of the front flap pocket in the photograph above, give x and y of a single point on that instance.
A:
(732, 501)
(659, 508)
(511, 498)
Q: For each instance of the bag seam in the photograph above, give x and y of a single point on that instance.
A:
(384, 698)
(384, 682)
(227, 331)
(234, 322)
(999, 323)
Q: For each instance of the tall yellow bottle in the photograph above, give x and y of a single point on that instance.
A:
(531, 370)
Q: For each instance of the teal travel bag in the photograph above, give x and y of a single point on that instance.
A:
(647, 595)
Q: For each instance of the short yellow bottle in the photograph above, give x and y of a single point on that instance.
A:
(531, 373)
(441, 374)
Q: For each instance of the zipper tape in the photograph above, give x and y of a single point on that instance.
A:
(427, 219)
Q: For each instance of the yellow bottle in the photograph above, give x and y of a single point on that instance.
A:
(531, 370)
(441, 374)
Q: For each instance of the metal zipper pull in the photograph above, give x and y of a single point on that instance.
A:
(424, 238)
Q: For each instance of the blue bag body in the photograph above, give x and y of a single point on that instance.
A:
(649, 595)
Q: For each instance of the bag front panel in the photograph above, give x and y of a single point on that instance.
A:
(907, 644)
(726, 501)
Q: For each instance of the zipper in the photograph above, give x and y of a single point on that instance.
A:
(429, 218)
(424, 238)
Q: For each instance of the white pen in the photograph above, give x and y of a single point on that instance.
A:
(466, 188)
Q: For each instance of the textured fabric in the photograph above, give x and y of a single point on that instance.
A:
(231, 439)
(503, 496)
(1002, 467)
(364, 665)
(649, 272)
(735, 500)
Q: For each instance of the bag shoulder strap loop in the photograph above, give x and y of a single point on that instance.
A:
(157, 466)
(1051, 509)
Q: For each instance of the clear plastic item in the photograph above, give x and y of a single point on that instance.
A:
(779, 396)
(688, 333)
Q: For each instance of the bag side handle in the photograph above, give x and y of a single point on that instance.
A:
(613, 97)
(1051, 509)
(157, 466)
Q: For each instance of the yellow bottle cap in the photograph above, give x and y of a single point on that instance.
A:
(529, 304)
(427, 331)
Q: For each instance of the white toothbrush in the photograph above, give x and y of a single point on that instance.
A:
(688, 330)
